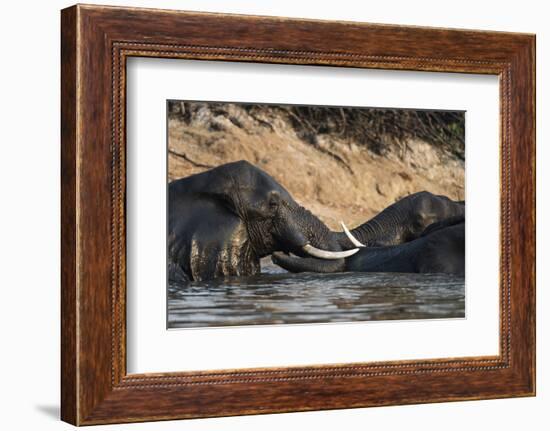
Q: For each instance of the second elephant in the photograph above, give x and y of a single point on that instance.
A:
(439, 249)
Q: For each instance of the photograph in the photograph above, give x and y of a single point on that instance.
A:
(293, 214)
(264, 211)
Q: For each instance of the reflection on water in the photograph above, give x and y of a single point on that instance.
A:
(277, 297)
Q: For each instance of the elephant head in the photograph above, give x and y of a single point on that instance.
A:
(222, 221)
(403, 221)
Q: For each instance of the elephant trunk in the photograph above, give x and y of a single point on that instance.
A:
(300, 232)
(307, 264)
(368, 234)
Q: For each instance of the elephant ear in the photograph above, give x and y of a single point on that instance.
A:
(216, 185)
(224, 195)
(199, 238)
(240, 184)
(213, 233)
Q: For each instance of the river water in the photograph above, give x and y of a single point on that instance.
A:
(278, 297)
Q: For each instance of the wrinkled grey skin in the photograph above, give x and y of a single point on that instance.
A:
(404, 220)
(439, 249)
(223, 221)
(400, 223)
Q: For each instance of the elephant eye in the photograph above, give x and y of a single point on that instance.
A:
(274, 200)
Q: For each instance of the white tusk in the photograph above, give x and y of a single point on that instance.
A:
(324, 254)
(354, 240)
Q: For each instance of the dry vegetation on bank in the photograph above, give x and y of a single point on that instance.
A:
(341, 163)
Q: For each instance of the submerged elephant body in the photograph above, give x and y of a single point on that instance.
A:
(223, 221)
(439, 249)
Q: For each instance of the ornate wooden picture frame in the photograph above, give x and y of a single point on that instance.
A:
(96, 42)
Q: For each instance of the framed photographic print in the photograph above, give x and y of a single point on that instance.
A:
(267, 215)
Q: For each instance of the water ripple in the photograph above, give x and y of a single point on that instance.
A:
(277, 297)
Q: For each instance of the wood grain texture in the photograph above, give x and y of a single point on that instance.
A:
(96, 41)
(69, 331)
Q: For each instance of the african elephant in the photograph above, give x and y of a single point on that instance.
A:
(439, 249)
(402, 221)
(223, 221)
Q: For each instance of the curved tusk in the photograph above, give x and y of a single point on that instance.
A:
(330, 255)
(353, 240)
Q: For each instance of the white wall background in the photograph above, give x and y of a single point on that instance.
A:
(29, 214)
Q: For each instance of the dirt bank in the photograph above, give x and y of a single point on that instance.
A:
(337, 179)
